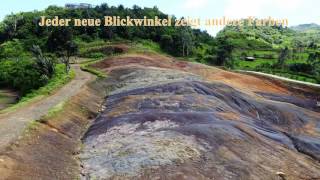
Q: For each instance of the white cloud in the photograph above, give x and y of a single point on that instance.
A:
(195, 4)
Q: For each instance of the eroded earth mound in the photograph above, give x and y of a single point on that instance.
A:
(167, 119)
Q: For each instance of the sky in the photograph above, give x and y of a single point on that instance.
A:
(296, 11)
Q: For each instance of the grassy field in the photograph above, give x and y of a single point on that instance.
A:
(242, 64)
(271, 57)
(291, 75)
(253, 66)
(86, 67)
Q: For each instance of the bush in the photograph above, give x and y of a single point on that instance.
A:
(210, 59)
(20, 75)
(264, 66)
(94, 55)
(86, 38)
(300, 67)
(243, 55)
(12, 49)
(43, 64)
(268, 56)
(102, 51)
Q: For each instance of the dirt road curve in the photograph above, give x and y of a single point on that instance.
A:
(12, 124)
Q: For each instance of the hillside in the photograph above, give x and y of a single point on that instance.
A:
(289, 52)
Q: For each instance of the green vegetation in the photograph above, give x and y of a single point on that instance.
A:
(178, 41)
(32, 126)
(141, 46)
(20, 74)
(86, 67)
(59, 79)
(287, 52)
(52, 112)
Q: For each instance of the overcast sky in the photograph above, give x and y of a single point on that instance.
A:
(296, 11)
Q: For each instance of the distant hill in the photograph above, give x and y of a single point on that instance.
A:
(307, 33)
(306, 27)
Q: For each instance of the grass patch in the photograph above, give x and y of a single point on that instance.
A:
(52, 112)
(94, 71)
(143, 46)
(288, 74)
(291, 75)
(254, 66)
(31, 127)
(59, 79)
(242, 64)
(86, 67)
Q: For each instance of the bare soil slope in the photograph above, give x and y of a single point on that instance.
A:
(169, 119)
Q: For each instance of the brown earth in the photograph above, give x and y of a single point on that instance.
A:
(236, 80)
(245, 82)
(169, 119)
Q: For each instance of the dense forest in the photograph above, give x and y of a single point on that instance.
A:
(29, 53)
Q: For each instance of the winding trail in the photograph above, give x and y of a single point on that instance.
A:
(12, 124)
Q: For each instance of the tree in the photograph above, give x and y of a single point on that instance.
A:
(313, 45)
(284, 53)
(243, 55)
(186, 40)
(11, 23)
(21, 75)
(314, 60)
(165, 42)
(70, 49)
(10, 49)
(58, 39)
(44, 65)
(224, 52)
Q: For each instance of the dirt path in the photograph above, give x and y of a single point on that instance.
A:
(12, 124)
